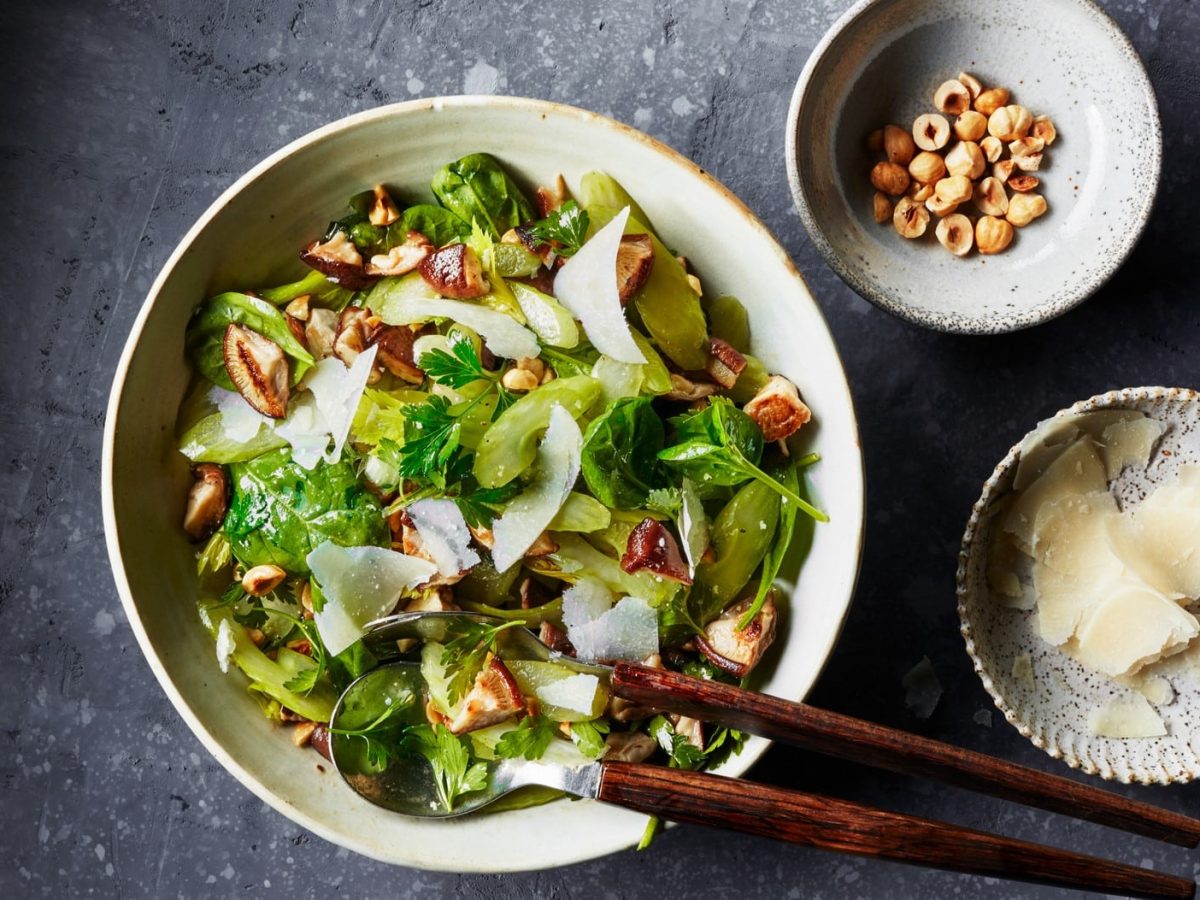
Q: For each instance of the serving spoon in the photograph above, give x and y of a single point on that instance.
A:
(407, 785)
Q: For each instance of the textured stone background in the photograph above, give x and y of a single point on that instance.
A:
(123, 120)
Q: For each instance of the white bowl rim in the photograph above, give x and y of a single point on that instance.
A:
(1119, 398)
(738, 765)
(965, 324)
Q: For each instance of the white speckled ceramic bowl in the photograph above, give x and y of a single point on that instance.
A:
(1054, 712)
(250, 236)
(881, 63)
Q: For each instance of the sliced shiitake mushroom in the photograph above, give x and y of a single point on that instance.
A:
(629, 746)
(635, 260)
(339, 260)
(777, 409)
(394, 351)
(725, 363)
(207, 501)
(685, 390)
(653, 548)
(548, 199)
(455, 271)
(738, 651)
(555, 638)
(402, 258)
(494, 698)
(258, 368)
(320, 331)
(354, 333)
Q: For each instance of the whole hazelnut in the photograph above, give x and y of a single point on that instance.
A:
(992, 235)
(889, 178)
(927, 167)
(898, 144)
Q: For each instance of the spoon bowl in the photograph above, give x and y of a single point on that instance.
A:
(405, 782)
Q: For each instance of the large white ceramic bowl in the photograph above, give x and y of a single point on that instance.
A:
(250, 236)
(881, 63)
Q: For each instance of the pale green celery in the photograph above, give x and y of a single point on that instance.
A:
(728, 321)
(666, 303)
(509, 446)
(388, 296)
(752, 380)
(655, 372)
(269, 675)
(380, 415)
(576, 558)
(208, 441)
(740, 534)
(601, 189)
(581, 512)
(546, 317)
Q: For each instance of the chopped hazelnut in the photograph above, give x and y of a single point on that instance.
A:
(931, 131)
(910, 219)
(952, 97)
(956, 234)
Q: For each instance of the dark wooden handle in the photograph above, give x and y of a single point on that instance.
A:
(847, 827)
(837, 735)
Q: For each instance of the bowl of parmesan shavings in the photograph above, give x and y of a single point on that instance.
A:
(1079, 585)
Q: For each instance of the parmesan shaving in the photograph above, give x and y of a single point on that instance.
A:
(1077, 471)
(555, 472)
(587, 286)
(1128, 442)
(444, 535)
(1130, 628)
(1127, 716)
(360, 584)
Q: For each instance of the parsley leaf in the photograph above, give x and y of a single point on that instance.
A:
(458, 368)
(529, 740)
(464, 655)
(448, 756)
(568, 225)
(379, 737)
(431, 434)
(479, 505)
(589, 737)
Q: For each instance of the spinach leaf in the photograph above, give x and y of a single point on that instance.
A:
(206, 334)
(721, 446)
(620, 453)
(439, 225)
(476, 188)
(280, 511)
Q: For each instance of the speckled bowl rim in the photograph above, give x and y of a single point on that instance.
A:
(736, 766)
(961, 324)
(1116, 399)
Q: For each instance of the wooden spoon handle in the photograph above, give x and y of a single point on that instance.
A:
(837, 735)
(847, 827)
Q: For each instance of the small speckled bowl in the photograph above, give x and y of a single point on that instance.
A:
(882, 61)
(1052, 709)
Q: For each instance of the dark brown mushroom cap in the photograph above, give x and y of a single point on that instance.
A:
(258, 368)
(394, 352)
(338, 260)
(354, 333)
(455, 271)
(635, 261)
(725, 363)
(208, 500)
(653, 548)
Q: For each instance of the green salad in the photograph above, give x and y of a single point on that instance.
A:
(517, 405)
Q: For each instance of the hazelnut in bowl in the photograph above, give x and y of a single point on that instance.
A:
(974, 169)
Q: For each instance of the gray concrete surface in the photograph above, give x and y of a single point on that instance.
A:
(122, 120)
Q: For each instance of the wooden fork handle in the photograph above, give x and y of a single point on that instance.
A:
(846, 827)
(853, 739)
